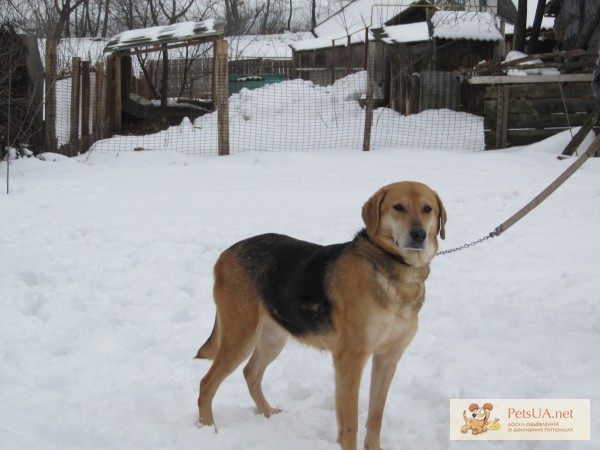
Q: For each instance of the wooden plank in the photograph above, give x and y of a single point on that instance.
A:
(539, 121)
(581, 134)
(551, 90)
(513, 79)
(522, 137)
(544, 106)
(74, 116)
(221, 95)
(550, 189)
(51, 143)
(525, 137)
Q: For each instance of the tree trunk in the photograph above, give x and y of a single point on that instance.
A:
(537, 25)
(106, 14)
(266, 17)
(520, 27)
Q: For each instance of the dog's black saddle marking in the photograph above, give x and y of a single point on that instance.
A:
(291, 276)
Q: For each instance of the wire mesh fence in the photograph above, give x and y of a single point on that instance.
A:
(168, 101)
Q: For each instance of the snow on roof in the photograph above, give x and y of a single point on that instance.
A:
(178, 32)
(326, 41)
(476, 26)
(265, 46)
(357, 16)
(412, 32)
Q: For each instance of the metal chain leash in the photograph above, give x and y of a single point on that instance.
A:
(464, 246)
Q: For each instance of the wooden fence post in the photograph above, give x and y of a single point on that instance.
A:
(85, 105)
(97, 129)
(221, 94)
(108, 113)
(118, 94)
(369, 100)
(349, 57)
(366, 56)
(292, 68)
(75, 88)
(51, 142)
(332, 61)
(502, 117)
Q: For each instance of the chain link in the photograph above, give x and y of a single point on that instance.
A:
(465, 246)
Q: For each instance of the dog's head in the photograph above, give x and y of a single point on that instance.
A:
(405, 219)
(482, 413)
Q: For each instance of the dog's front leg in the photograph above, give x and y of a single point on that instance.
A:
(382, 373)
(349, 365)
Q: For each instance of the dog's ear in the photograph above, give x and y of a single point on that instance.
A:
(370, 211)
(488, 406)
(473, 407)
(442, 217)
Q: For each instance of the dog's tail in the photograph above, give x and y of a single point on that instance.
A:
(210, 347)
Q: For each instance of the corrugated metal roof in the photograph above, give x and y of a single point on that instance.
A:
(168, 34)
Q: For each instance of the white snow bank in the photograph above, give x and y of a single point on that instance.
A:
(297, 115)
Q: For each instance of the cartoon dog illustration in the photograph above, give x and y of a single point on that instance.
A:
(479, 421)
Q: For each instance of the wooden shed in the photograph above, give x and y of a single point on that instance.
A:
(21, 89)
(153, 83)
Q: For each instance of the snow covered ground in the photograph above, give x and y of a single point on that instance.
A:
(105, 295)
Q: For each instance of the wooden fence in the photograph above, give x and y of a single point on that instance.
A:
(87, 120)
(87, 106)
(520, 110)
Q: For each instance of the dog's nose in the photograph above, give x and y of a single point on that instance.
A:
(418, 234)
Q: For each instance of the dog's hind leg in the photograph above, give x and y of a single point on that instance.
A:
(270, 343)
(238, 327)
(235, 346)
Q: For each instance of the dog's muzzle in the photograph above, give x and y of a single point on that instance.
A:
(417, 238)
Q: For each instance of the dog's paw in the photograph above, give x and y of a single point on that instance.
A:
(200, 423)
(268, 412)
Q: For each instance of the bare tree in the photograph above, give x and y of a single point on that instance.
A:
(537, 25)
(520, 27)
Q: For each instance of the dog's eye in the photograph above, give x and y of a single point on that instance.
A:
(399, 207)
(427, 209)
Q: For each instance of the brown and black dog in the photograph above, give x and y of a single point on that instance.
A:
(357, 299)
